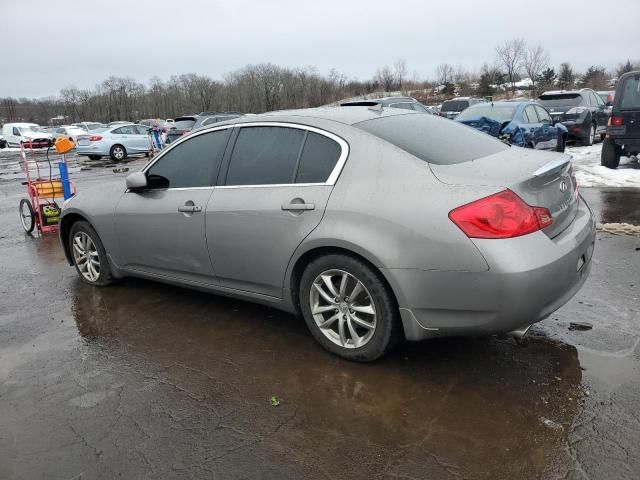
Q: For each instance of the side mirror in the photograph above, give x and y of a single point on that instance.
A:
(137, 181)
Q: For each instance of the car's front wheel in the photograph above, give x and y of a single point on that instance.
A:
(89, 255)
(118, 153)
(560, 147)
(349, 308)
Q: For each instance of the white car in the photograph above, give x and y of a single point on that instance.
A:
(117, 142)
(31, 133)
(70, 132)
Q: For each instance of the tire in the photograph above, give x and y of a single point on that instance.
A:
(95, 157)
(118, 153)
(84, 240)
(27, 215)
(610, 155)
(588, 140)
(562, 144)
(373, 305)
(603, 136)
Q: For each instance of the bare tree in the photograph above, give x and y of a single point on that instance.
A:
(509, 56)
(445, 73)
(386, 78)
(535, 60)
(401, 73)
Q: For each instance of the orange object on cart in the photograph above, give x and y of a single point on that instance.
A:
(64, 145)
(49, 189)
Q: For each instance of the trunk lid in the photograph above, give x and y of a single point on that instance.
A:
(541, 179)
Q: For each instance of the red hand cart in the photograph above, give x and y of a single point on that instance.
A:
(44, 187)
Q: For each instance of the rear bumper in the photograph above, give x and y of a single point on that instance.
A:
(529, 278)
(577, 129)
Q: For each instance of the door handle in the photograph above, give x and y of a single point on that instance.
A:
(189, 209)
(298, 206)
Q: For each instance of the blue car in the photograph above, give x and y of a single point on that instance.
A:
(526, 124)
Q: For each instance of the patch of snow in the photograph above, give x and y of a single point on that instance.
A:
(589, 172)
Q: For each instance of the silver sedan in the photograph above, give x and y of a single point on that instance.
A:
(374, 226)
(117, 142)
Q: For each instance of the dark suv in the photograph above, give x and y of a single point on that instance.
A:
(623, 132)
(407, 103)
(583, 112)
(451, 108)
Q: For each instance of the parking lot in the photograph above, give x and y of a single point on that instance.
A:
(143, 380)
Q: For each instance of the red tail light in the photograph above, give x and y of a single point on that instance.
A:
(95, 138)
(616, 121)
(502, 215)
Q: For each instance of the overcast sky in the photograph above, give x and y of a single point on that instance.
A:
(47, 45)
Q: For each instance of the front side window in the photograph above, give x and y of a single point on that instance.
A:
(543, 115)
(192, 163)
(265, 156)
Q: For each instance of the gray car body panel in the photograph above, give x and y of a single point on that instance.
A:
(386, 206)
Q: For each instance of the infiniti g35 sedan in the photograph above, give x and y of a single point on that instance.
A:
(374, 225)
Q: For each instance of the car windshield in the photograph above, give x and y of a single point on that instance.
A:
(433, 139)
(560, 100)
(501, 113)
(454, 105)
(184, 123)
(630, 95)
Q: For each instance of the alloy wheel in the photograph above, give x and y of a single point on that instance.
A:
(86, 257)
(118, 152)
(342, 308)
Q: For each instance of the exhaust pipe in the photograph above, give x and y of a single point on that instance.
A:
(520, 333)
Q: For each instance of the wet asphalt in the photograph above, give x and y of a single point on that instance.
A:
(142, 380)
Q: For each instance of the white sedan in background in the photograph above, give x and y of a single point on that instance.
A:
(117, 142)
(70, 132)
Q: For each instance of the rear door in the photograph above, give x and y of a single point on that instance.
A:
(627, 105)
(161, 230)
(273, 192)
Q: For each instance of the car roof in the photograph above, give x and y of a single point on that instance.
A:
(373, 101)
(344, 115)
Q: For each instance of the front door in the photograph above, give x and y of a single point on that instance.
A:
(274, 192)
(162, 228)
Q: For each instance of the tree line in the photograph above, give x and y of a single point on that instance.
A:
(266, 87)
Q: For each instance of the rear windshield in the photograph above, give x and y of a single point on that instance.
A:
(364, 103)
(184, 123)
(501, 113)
(630, 95)
(454, 105)
(433, 139)
(561, 100)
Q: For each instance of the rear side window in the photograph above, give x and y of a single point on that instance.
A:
(319, 157)
(192, 163)
(265, 156)
(433, 139)
(630, 95)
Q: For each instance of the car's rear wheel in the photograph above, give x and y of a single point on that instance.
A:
(588, 140)
(118, 153)
(89, 255)
(95, 157)
(562, 143)
(349, 308)
(610, 155)
(27, 215)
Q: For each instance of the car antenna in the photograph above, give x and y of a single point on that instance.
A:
(376, 108)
